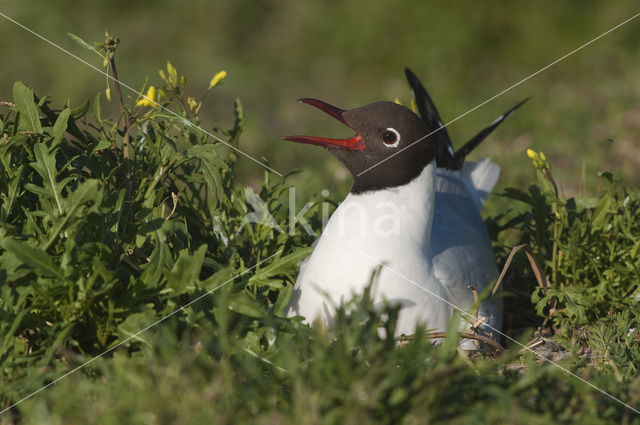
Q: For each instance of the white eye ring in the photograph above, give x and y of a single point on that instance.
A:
(396, 140)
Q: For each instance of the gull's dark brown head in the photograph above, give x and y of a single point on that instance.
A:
(389, 149)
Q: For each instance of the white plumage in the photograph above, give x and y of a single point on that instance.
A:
(419, 221)
(442, 249)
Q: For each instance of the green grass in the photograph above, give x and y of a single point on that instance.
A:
(112, 221)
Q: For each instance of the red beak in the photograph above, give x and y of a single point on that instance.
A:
(355, 143)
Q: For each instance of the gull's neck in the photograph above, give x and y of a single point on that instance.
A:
(408, 208)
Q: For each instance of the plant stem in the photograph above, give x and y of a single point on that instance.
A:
(128, 123)
(123, 110)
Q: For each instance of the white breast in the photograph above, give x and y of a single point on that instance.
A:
(391, 227)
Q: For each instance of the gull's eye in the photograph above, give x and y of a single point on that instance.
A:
(390, 137)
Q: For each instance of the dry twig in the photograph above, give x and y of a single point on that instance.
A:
(434, 335)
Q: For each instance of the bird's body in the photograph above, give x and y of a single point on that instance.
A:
(413, 213)
(429, 235)
(390, 227)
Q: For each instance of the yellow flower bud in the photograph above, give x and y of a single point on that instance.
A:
(149, 99)
(107, 93)
(194, 106)
(217, 79)
(539, 159)
(172, 70)
(171, 77)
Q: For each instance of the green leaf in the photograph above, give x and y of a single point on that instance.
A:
(26, 106)
(221, 276)
(136, 322)
(518, 195)
(60, 127)
(86, 192)
(284, 296)
(601, 212)
(14, 326)
(279, 265)
(84, 44)
(186, 269)
(634, 251)
(80, 110)
(35, 258)
(210, 166)
(101, 145)
(97, 108)
(242, 304)
(116, 214)
(45, 165)
(238, 124)
(587, 203)
(12, 189)
(160, 260)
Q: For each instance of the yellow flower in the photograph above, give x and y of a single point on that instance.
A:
(149, 99)
(171, 77)
(539, 159)
(194, 106)
(172, 70)
(217, 79)
(414, 106)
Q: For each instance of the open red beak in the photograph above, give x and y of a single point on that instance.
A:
(355, 143)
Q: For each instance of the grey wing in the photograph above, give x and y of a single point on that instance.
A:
(461, 247)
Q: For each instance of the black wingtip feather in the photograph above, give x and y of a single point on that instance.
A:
(429, 114)
(446, 158)
(466, 149)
